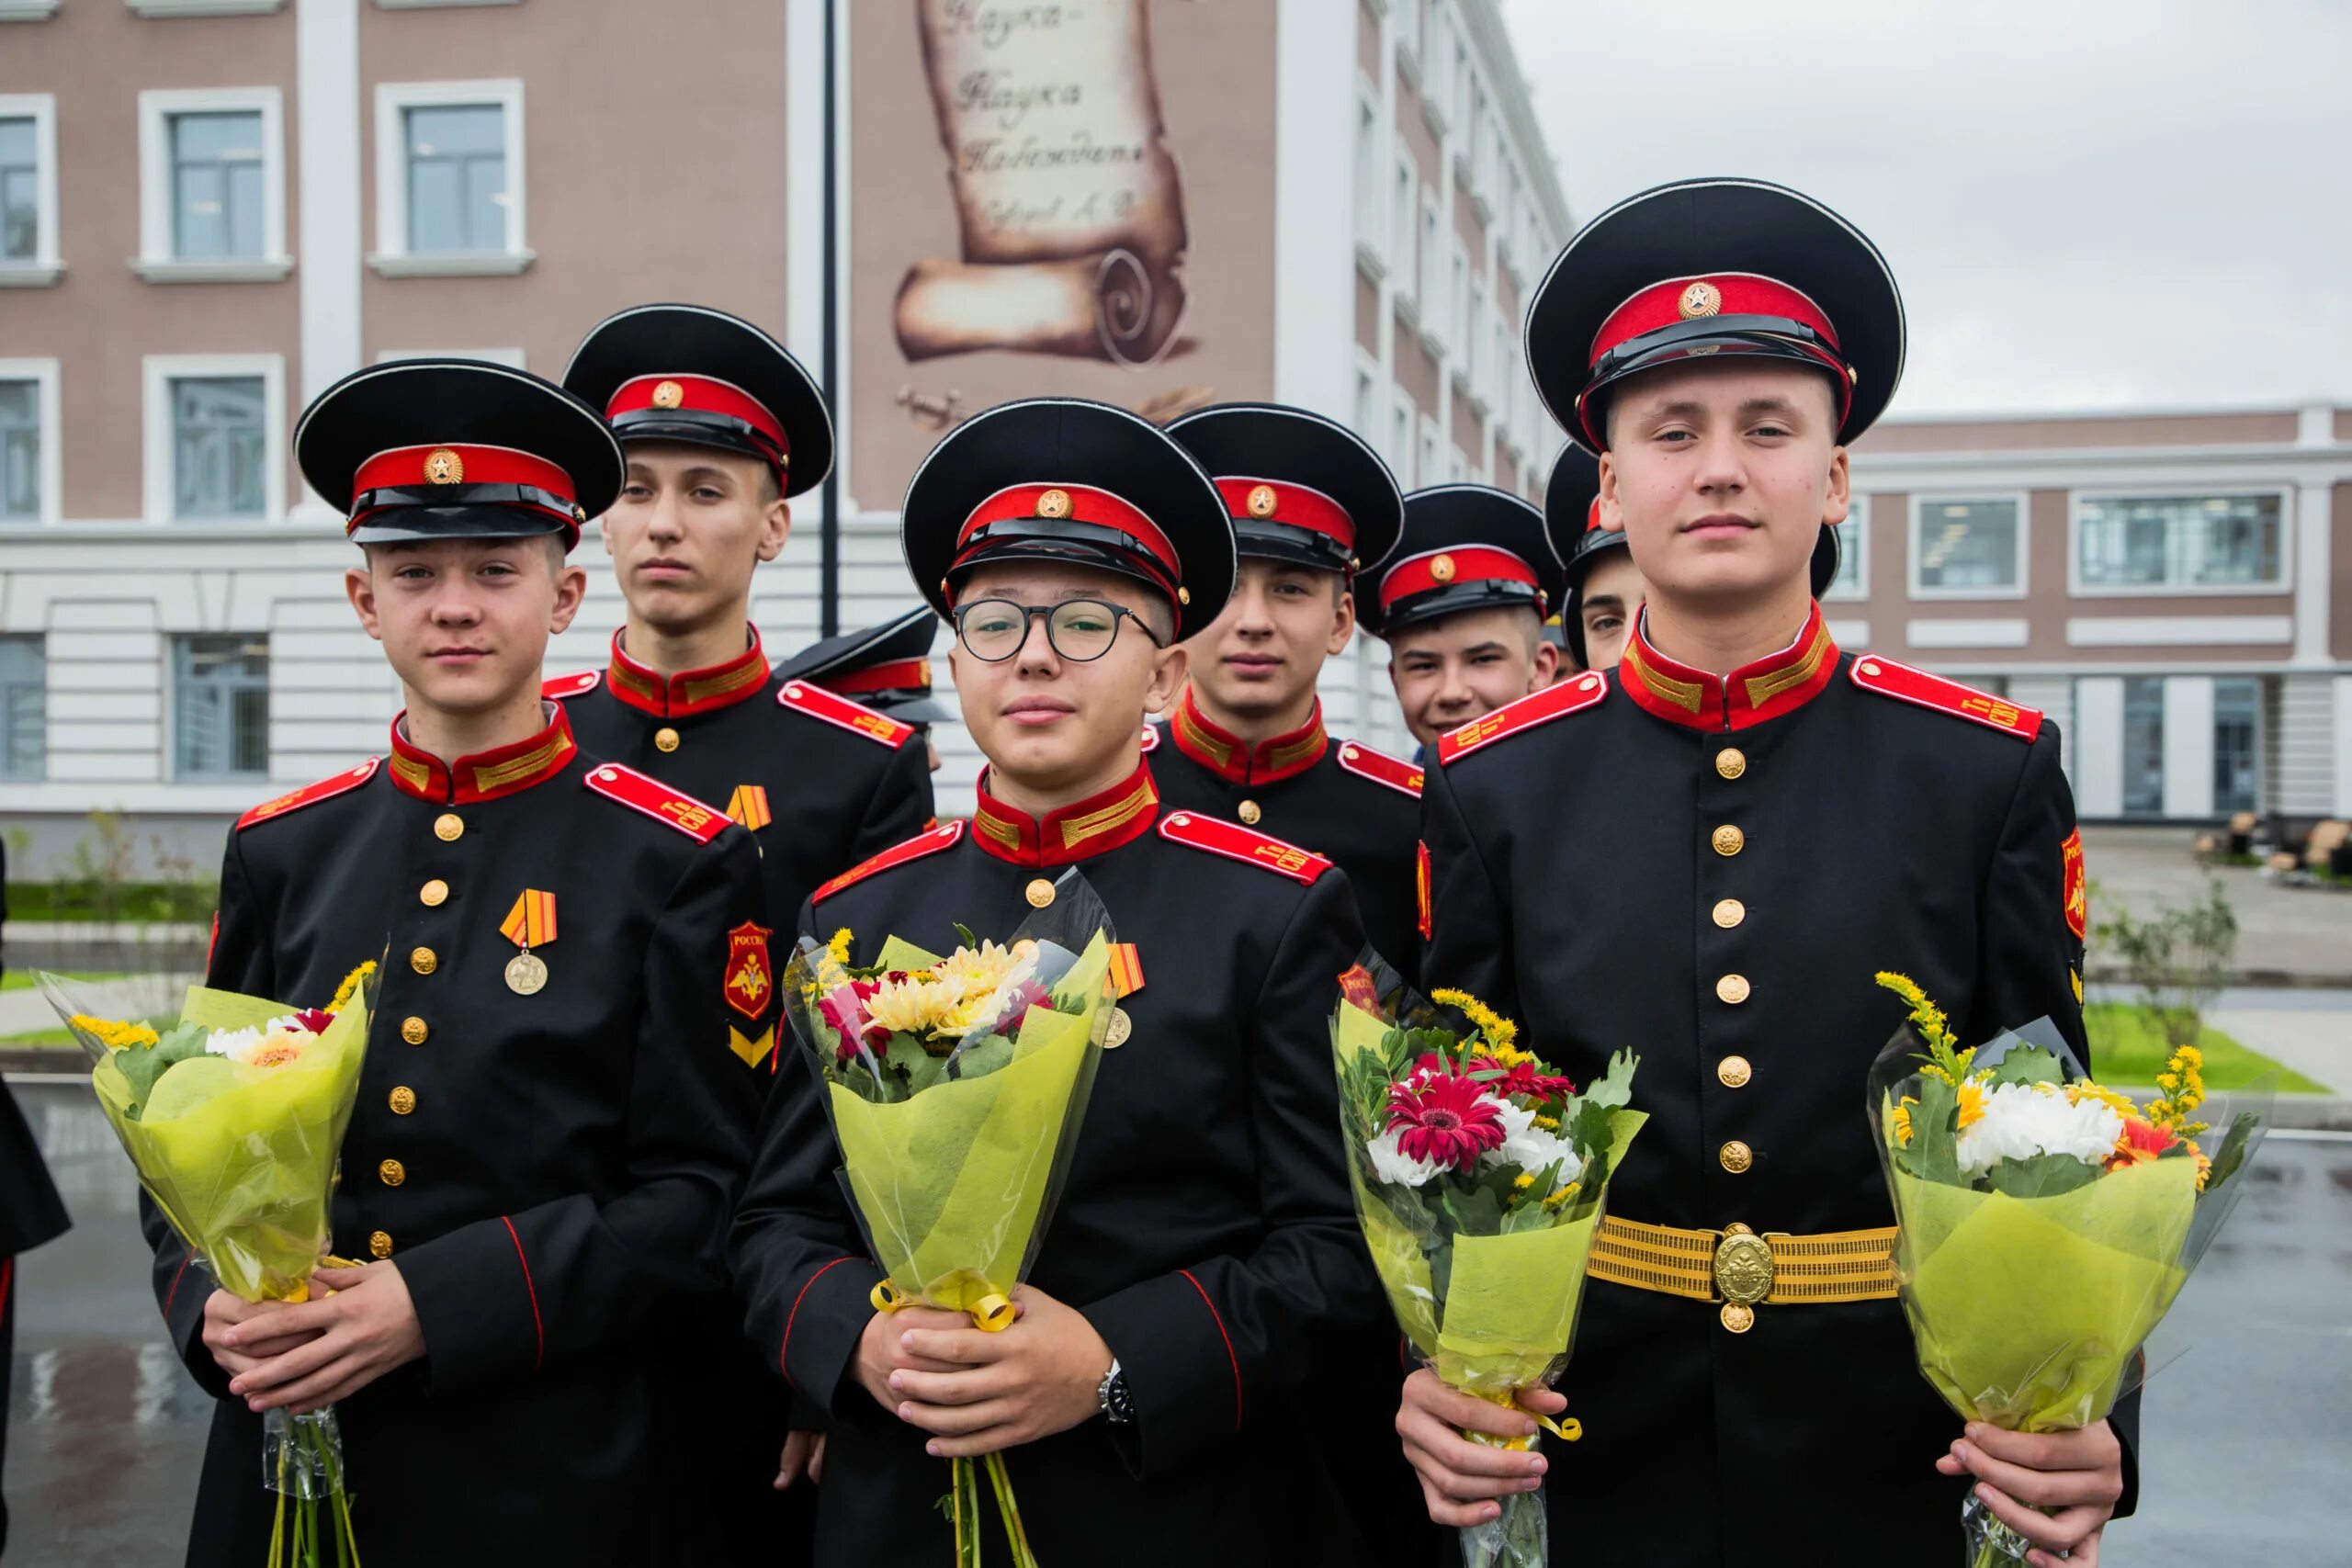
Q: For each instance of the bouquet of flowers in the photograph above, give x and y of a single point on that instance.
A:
(1479, 1175)
(234, 1117)
(955, 1086)
(2043, 1224)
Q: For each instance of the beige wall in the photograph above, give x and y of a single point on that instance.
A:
(1416, 132)
(2178, 430)
(1473, 233)
(1416, 371)
(1367, 43)
(1467, 435)
(1367, 314)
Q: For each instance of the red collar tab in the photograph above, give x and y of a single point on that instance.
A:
(1119, 815)
(310, 793)
(535, 483)
(696, 691)
(930, 841)
(897, 675)
(1556, 701)
(1071, 503)
(1901, 682)
(1246, 845)
(1233, 760)
(1772, 686)
(1380, 768)
(699, 394)
(806, 696)
(485, 775)
(1444, 569)
(1248, 500)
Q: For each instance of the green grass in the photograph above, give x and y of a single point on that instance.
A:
(40, 1040)
(2128, 1050)
(22, 979)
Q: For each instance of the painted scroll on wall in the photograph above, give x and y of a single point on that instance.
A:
(1068, 200)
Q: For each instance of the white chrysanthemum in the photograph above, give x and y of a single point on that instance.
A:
(2022, 1120)
(1392, 1163)
(1530, 1148)
(233, 1044)
(913, 1005)
(274, 1045)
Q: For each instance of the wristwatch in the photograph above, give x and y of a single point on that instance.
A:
(1118, 1407)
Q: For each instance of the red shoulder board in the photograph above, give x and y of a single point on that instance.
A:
(835, 709)
(929, 842)
(1889, 679)
(1237, 843)
(1380, 768)
(311, 794)
(1574, 694)
(556, 687)
(1150, 739)
(657, 800)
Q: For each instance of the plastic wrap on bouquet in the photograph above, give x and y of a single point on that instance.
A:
(1480, 1177)
(2044, 1224)
(955, 1086)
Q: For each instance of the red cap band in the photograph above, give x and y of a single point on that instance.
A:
(1716, 294)
(1295, 506)
(1444, 569)
(1073, 503)
(415, 467)
(698, 394)
(898, 675)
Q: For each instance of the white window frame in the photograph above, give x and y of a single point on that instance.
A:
(1372, 216)
(165, 8)
(508, 356)
(171, 726)
(391, 256)
(156, 262)
(158, 372)
(1430, 453)
(1436, 301)
(1921, 500)
(46, 267)
(2286, 583)
(1371, 379)
(26, 10)
(1407, 463)
(47, 403)
(1405, 269)
(1858, 512)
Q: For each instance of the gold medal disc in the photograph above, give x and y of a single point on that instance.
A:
(526, 973)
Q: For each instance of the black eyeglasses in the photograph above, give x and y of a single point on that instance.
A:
(1081, 630)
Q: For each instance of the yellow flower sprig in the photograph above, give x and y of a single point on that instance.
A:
(2183, 1082)
(1563, 1195)
(1498, 1030)
(350, 987)
(113, 1033)
(839, 946)
(1945, 1060)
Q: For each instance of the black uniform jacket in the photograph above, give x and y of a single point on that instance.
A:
(552, 1172)
(30, 1214)
(1709, 872)
(1358, 807)
(820, 780)
(1204, 1229)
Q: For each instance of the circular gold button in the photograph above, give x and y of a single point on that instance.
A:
(1737, 1317)
(1735, 1072)
(379, 1245)
(1736, 1156)
(1731, 762)
(402, 1099)
(1039, 893)
(434, 894)
(665, 738)
(413, 1030)
(391, 1173)
(1733, 989)
(449, 827)
(1728, 840)
(1729, 913)
(1249, 812)
(424, 960)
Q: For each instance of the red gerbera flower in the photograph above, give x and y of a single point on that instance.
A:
(844, 1009)
(315, 1019)
(1444, 1118)
(2142, 1141)
(1521, 1078)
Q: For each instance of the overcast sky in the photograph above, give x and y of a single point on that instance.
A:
(2087, 203)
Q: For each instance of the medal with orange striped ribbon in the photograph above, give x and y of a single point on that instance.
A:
(530, 924)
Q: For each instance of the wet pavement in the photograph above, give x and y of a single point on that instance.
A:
(2247, 1436)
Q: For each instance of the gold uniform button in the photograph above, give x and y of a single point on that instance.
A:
(434, 894)
(1729, 913)
(379, 1245)
(1039, 893)
(449, 827)
(402, 1099)
(1735, 1072)
(665, 738)
(1736, 1156)
(1728, 840)
(391, 1173)
(413, 1030)
(1733, 989)
(424, 960)
(1731, 762)
(1249, 812)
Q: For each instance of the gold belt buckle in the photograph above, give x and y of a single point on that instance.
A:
(1743, 1273)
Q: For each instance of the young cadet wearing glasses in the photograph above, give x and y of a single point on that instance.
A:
(1150, 1398)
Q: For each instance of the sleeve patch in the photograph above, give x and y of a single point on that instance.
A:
(1553, 702)
(1237, 843)
(750, 984)
(2079, 902)
(652, 799)
(311, 794)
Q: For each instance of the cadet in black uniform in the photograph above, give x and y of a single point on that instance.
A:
(1462, 601)
(1311, 504)
(30, 1214)
(1604, 586)
(885, 667)
(553, 1120)
(1788, 820)
(722, 427)
(1154, 1401)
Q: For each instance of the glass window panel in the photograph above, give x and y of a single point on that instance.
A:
(1849, 579)
(219, 445)
(24, 707)
(220, 707)
(2218, 541)
(19, 450)
(217, 170)
(1968, 544)
(457, 162)
(20, 190)
(2237, 706)
(2143, 747)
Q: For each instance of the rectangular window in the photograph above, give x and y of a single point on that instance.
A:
(1400, 440)
(2144, 746)
(1432, 467)
(220, 445)
(1369, 183)
(2237, 708)
(449, 177)
(2159, 544)
(220, 707)
(1367, 406)
(1475, 345)
(1967, 546)
(216, 185)
(212, 186)
(20, 451)
(1853, 579)
(29, 188)
(1435, 305)
(1403, 214)
(24, 707)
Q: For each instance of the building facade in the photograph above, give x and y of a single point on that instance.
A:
(210, 209)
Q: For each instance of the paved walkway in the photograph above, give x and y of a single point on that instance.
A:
(2286, 935)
